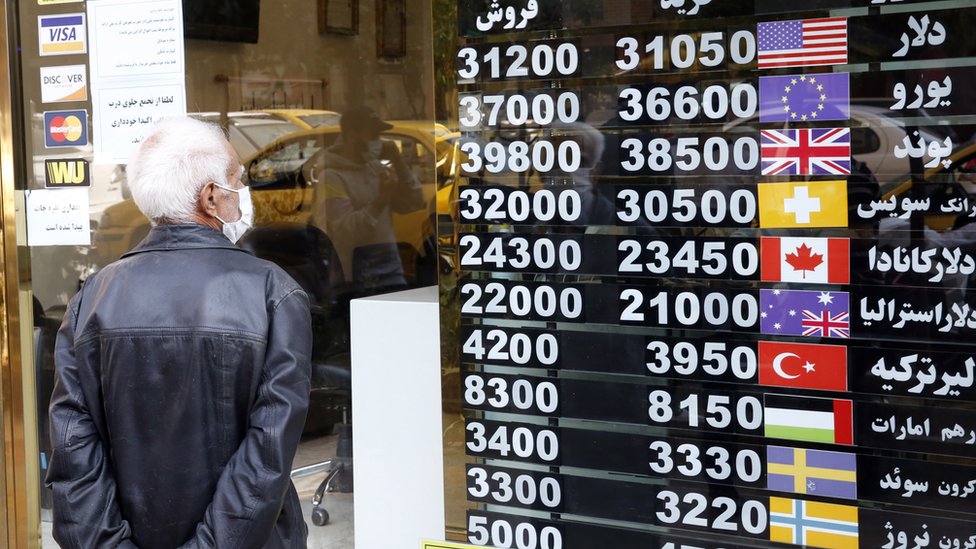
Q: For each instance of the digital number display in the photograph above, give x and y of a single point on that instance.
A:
(713, 265)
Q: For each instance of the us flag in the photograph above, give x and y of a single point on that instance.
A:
(803, 43)
(824, 151)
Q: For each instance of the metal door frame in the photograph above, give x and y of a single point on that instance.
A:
(17, 529)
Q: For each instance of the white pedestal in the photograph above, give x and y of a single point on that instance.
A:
(396, 415)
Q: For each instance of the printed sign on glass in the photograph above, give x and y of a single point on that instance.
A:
(825, 420)
(802, 43)
(824, 151)
(811, 472)
(66, 172)
(805, 97)
(62, 34)
(65, 129)
(806, 259)
(803, 365)
(812, 523)
(805, 313)
(803, 204)
(64, 84)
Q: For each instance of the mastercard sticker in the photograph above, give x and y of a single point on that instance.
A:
(65, 129)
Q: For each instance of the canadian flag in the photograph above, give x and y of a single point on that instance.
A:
(812, 260)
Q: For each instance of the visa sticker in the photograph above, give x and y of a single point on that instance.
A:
(62, 34)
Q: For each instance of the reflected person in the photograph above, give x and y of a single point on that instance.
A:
(363, 181)
(182, 371)
(597, 206)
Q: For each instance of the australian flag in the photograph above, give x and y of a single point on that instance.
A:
(823, 151)
(805, 313)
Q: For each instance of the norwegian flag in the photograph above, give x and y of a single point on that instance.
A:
(824, 151)
(823, 324)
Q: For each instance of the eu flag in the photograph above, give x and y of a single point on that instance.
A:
(805, 97)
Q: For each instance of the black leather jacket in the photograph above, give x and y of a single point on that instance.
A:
(181, 391)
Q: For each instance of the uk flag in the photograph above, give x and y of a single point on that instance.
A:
(824, 151)
(825, 324)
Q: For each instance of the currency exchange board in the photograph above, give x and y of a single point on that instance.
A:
(716, 272)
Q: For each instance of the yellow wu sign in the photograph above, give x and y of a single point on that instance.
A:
(66, 172)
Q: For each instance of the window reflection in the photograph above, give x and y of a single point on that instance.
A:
(279, 96)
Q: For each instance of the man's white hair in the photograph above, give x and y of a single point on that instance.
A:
(172, 165)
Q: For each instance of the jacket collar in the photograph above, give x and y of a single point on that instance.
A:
(182, 237)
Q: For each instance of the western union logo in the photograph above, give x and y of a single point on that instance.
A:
(67, 172)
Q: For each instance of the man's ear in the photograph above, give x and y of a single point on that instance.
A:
(207, 200)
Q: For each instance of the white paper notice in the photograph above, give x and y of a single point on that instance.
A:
(137, 71)
(126, 114)
(136, 38)
(58, 217)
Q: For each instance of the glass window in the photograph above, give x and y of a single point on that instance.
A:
(278, 81)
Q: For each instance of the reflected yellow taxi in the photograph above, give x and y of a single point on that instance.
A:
(306, 118)
(281, 177)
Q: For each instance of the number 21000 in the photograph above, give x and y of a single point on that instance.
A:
(690, 309)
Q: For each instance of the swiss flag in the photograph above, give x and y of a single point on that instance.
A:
(803, 365)
(813, 260)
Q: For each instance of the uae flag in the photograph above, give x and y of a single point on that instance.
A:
(807, 259)
(803, 365)
(808, 419)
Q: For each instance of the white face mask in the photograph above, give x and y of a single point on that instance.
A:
(236, 229)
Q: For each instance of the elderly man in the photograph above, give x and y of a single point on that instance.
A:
(182, 371)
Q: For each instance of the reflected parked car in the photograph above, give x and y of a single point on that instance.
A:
(306, 118)
(281, 183)
(282, 187)
(282, 177)
(250, 131)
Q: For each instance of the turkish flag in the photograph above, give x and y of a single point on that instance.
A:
(806, 259)
(803, 365)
